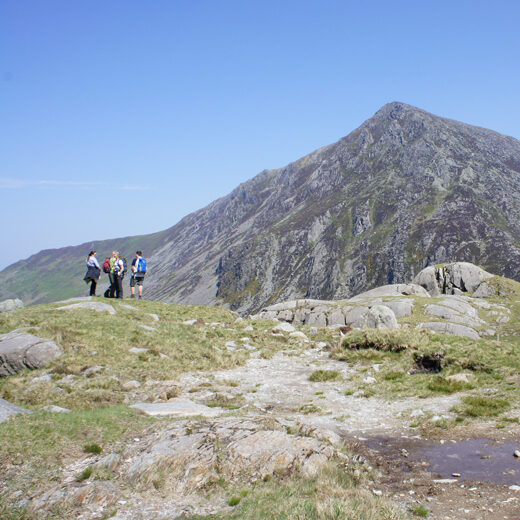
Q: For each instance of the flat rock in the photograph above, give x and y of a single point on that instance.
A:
(398, 289)
(283, 327)
(94, 306)
(55, 409)
(155, 317)
(147, 327)
(178, 408)
(10, 305)
(450, 328)
(20, 350)
(7, 409)
(126, 306)
(400, 308)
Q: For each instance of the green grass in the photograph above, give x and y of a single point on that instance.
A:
(478, 406)
(332, 495)
(324, 375)
(421, 511)
(90, 338)
(489, 363)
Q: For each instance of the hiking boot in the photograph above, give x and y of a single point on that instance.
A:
(132, 296)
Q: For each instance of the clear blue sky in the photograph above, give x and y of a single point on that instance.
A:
(121, 117)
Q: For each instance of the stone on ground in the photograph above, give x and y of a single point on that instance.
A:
(95, 306)
(20, 350)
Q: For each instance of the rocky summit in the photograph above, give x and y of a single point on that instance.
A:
(405, 190)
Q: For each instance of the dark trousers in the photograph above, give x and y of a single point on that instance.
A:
(93, 285)
(112, 288)
(118, 282)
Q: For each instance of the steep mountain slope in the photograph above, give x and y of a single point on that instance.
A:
(405, 189)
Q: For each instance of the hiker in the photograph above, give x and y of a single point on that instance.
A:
(118, 273)
(138, 271)
(108, 267)
(93, 272)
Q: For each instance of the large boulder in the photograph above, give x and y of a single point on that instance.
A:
(11, 305)
(398, 289)
(452, 278)
(19, 350)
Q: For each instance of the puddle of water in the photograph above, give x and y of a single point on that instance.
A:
(475, 459)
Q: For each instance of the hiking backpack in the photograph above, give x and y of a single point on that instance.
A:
(106, 265)
(141, 265)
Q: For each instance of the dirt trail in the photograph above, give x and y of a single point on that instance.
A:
(377, 428)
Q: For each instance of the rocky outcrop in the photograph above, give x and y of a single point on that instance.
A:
(11, 305)
(384, 307)
(19, 351)
(455, 278)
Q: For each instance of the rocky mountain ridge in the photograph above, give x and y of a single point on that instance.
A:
(405, 190)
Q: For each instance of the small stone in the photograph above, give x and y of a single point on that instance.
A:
(138, 350)
(369, 380)
(42, 379)
(249, 328)
(514, 487)
(231, 344)
(147, 327)
(313, 331)
(189, 322)
(457, 475)
(377, 492)
(131, 385)
(517, 453)
(55, 409)
(93, 371)
(153, 316)
(283, 327)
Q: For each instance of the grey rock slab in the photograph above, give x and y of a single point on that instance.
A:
(398, 289)
(336, 317)
(155, 317)
(77, 299)
(147, 327)
(316, 319)
(55, 409)
(179, 408)
(138, 350)
(460, 305)
(94, 306)
(450, 328)
(7, 409)
(20, 350)
(126, 306)
(283, 327)
(93, 371)
(450, 314)
(11, 305)
(356, 317)
(381, 317)
(400, 308)
(484, 290)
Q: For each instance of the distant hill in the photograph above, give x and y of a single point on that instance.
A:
(404, 190)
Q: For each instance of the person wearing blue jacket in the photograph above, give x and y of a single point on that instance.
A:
(138, 271)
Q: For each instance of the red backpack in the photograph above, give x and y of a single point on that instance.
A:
(106, 265)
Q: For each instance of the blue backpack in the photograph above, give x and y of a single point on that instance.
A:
(141, 266)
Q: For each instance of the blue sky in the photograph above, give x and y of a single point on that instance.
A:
(121, 117)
